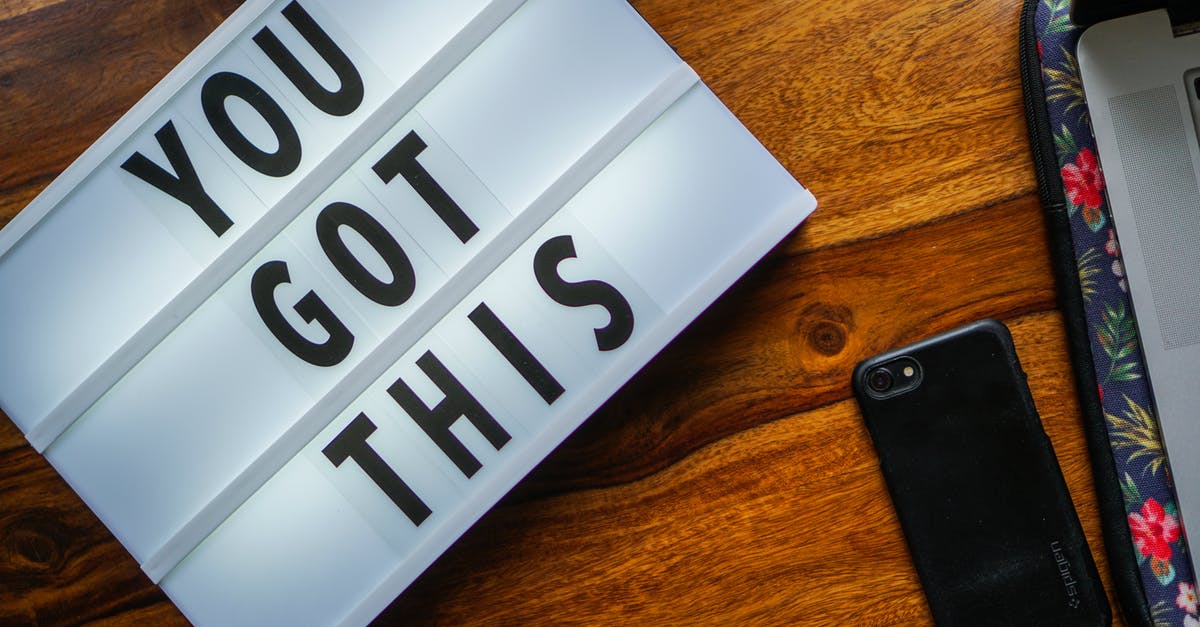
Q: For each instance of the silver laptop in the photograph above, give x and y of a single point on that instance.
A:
(1140, 77)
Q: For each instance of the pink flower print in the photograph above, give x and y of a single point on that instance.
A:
(1154, 530)
(1111, 246)
(1085, 184)
(1186, 600)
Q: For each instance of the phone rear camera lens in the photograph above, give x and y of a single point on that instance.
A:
(880, 380)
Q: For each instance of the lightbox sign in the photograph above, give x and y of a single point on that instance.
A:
(352, 269)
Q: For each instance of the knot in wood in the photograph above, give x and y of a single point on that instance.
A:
(30, 541)
(827, 338)
(826, 328)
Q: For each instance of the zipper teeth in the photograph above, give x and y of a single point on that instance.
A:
(1033, 92)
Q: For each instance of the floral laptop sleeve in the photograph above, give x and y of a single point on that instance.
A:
(1142, 532)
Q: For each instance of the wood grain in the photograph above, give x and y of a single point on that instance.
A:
(731, 481)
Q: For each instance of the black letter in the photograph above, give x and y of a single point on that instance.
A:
(404, 279)
(584, 293)
(222, 85)
(311, 308)
(350, 93)
(402, 160)
(458, 404)
(351, 443)
(185, 185)
(516, 353)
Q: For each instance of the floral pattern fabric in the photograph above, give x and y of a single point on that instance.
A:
(1132, 428)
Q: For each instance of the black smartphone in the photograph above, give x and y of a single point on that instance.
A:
(973, 477)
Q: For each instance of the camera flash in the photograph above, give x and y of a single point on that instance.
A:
(908, 371)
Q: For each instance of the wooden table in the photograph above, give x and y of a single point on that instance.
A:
(732, 480)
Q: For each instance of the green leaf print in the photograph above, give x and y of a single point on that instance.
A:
(1134, 434)
(1089, 269)
(1064, 142)
(1065, 87)
(1060, 16)
(1130, 491)
(1117, 336)
(1163, 613)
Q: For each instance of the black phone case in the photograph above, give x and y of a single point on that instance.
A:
(978, 490)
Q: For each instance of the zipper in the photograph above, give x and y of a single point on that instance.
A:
(1045, 157)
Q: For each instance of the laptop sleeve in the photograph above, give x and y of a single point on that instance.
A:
(1143, 536)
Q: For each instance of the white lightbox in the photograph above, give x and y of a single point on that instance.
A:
(354, 268)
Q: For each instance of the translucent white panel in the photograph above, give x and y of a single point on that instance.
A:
(171, 434)
(401, 36)
(315, 141)
(685, 197)
(535, 346)
(382, 318)
(76, 287)
(470, 214)
(377, 86)
(218, 181)
(540, 92)
(294, 554)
